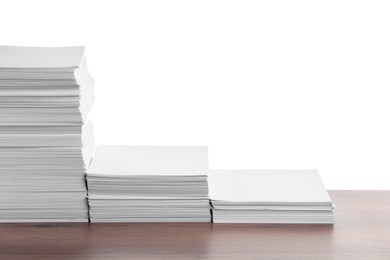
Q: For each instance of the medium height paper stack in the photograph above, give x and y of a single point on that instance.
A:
(148, 184)
(269, 196)
(45, 144)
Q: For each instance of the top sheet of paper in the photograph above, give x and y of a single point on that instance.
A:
(267, 186)
(149, 160)
(40, 57)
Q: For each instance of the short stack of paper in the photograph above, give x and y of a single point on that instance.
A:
(45, 96)
(269, 196)
(148, 184)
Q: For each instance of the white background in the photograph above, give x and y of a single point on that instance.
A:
(266, 84)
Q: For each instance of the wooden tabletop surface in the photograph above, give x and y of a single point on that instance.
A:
(361, 231)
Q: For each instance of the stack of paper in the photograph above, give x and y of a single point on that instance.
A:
(45, 96)
(269, 196)
(148, 184)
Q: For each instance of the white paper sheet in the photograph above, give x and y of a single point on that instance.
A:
(302, 186)
(149, 160)
(40, 57)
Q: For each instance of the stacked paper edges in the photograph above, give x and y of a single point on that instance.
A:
(45, 145)
(148, 184)
(269, 196)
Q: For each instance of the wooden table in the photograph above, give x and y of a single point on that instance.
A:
(362, 231)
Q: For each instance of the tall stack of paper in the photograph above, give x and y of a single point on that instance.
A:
(148, 184)
(45, 96)
(269, 196)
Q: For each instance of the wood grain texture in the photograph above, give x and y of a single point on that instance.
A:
(361, 231)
